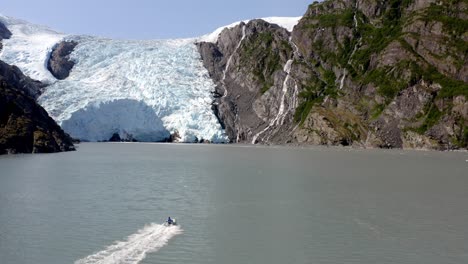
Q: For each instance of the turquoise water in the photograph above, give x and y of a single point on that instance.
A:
(235, 204)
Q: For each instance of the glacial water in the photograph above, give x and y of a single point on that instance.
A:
(235, 204)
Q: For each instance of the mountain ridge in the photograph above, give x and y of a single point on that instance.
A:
(369, 74)
(387, 74)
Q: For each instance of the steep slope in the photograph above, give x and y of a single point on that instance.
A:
(250, 64)
(141, 90)
(16, 78)
(368, 73)
(381, 74)
(4, 34)
(25, 126)
(384, 75)
(99, 89)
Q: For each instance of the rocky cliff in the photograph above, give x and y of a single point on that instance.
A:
(25, 127)
(250, 64)
(386, 74)
(4, 34)
(14, 76)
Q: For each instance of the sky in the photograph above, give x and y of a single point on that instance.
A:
(146, 19)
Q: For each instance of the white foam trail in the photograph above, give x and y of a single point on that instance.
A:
(151, 238)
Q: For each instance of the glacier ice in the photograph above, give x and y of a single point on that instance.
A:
(166, 75)
(145, 90)
(100, 122)
(29, 47)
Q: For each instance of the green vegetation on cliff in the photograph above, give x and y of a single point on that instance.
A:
(267, 53)
(385, 48)
(448, 14)
(386, 73)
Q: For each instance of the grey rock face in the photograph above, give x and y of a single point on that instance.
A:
(247, 66)
(59, 63)
(429, 40)
(365, 73)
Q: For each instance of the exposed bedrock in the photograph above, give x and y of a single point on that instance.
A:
(25, 127)
(14, 76)
(4, 34)
(247, 64)
(389, 74)
(59, 63)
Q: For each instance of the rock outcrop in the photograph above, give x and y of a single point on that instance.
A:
(4, 34)
(13, 76)
(248, 66)
(115, 138)
(25, 127)
(59, 63)
(388, 74)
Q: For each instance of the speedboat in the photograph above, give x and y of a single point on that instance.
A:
(173, 223)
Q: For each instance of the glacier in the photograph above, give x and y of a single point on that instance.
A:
(166, 75)
(143, 90)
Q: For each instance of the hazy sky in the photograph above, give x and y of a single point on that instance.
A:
(146, 19)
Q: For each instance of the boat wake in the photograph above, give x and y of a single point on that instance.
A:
(151, 238)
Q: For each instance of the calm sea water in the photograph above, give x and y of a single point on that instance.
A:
(235, 204)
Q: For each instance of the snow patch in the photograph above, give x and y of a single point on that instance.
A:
(286, 22)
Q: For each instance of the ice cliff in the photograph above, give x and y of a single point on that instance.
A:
(143, 90)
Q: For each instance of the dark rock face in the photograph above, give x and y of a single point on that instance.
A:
(25, 127)
(115, 138)
(13, 76)
(4, 34)
(174, 137)
(389, 74)
(59, 63)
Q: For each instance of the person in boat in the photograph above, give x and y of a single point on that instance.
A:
(170, 221)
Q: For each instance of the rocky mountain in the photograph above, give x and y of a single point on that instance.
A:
(97, 88)
(390, 74)
(25, 127)
(4, 34)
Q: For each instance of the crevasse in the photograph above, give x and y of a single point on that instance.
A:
(144, 90)
(166, 76)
